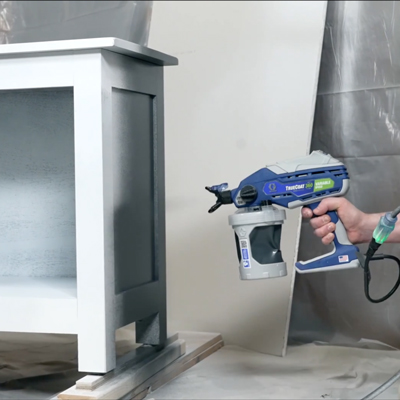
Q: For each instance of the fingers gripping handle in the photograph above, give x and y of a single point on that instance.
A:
(343, 255)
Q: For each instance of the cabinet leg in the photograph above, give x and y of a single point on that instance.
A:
(94, 205)
(96, 353)
(151, 331)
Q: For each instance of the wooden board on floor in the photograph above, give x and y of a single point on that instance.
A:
(137, 379)
(198, 347)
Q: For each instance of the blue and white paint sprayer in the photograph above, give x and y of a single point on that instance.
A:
(304, 181)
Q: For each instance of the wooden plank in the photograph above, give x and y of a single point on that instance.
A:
(128, 378)
(170, 373)
(197, 342)
(90, 382)
(129, 360)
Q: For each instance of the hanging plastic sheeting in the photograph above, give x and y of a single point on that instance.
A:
(36, 21)
(357, 120)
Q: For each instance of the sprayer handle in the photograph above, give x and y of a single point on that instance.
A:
(343, 255)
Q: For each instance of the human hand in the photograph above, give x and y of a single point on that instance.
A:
(352, 218)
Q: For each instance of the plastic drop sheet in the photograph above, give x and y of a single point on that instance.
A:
(35, 21)
(357, 120)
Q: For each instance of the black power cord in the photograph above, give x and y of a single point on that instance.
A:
(373, 246)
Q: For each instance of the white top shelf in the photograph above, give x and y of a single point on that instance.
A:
(38, 305)
(80, 45)
(43, 288)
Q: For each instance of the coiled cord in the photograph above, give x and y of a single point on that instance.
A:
(367, 273)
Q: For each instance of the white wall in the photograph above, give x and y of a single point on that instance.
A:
(242, 97)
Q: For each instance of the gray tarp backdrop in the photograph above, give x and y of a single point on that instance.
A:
(357, 120)
(36, 21)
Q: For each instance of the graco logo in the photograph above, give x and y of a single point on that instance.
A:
(272, 187)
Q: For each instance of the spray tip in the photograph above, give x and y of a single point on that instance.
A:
(223, 195)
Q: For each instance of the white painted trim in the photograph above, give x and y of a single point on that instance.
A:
(36, 72)
(112, 44)
(96, 333)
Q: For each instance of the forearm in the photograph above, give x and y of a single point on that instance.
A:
(369, 223)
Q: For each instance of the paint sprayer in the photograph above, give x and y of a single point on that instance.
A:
(304, 181)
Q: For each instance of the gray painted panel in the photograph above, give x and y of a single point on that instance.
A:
(138, 167)
(160, 207)
(138, 303)
(133, 185)
(37, 200)
(143, 76)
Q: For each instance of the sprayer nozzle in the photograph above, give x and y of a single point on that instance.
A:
(223, 196)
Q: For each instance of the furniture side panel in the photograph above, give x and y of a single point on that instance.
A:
(138, 181)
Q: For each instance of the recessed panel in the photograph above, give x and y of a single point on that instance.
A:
(133, 185)
(37, 185)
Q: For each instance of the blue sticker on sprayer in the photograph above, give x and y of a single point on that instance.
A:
(245, 253)
(298, 188)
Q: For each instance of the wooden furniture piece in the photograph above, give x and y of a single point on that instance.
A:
(82, 203)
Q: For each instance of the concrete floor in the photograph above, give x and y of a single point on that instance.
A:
(314, 371)
(307, 372)
(38, 366)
